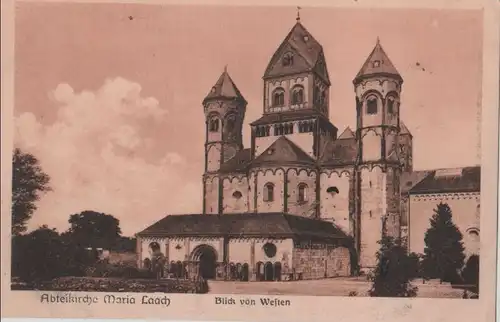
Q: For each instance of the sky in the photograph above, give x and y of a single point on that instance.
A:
(108, 96)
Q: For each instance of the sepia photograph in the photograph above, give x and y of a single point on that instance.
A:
(271, 151)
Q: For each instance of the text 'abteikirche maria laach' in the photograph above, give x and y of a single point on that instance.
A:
(305, 201)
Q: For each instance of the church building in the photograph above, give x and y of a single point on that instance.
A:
(305, 200)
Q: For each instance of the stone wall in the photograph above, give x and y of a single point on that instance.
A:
(465, 209)
(236, 196)
(320, 261)
(294, 205)
(211, 195)
(373, 207)
(334, 207)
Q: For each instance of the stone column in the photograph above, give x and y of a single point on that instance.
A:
(251, 269)
(138, 251)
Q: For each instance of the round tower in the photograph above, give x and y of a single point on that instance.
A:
(224, 109)
(378, 167)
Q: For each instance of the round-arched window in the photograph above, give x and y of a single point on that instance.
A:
(270, 250)
(371, 105)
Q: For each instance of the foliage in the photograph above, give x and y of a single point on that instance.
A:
(125, 244)
(28, 183)
(470, 273)
(93, 229)
(444, 251)
(42, 255)
(125, 285)
(394, 271)
(105, 269)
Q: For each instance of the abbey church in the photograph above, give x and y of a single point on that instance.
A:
(308, 199)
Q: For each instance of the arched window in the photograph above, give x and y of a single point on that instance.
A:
(371, 105)
(269, 192)
(390, 105)
(297, 95)
(302, 193)
(332, 191)
(213, 125)
(279, 97)
(155, 247)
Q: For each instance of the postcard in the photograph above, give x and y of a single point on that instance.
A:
(250, 161)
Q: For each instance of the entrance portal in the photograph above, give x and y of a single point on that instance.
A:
(206, 258)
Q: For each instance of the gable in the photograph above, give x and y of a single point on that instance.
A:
(305, 49)
(277, 68)
(283, 151)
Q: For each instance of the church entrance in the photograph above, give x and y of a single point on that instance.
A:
(205, 257)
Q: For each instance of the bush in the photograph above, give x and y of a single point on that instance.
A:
(470, 273)
(90, 284)
(394, 271)
(105, 269)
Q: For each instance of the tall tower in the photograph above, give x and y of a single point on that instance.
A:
(378, 167)
(224, 108)
(296, 96)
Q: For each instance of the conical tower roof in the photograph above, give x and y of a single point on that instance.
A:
(224, 88)
(378, 64)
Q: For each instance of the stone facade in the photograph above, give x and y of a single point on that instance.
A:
(361, 182)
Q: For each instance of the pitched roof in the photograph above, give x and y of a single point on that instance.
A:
(466, 179)
(275, 225)
(287, 116)
(340, 152)
(224, 88)
(237, 163)
(300, 41)
(283, 151)
(377, 63)
(410, 179)
(403, 130)
(347, 134)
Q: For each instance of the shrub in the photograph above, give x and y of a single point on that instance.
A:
(394, 270)
(91, 284)
(470, 273)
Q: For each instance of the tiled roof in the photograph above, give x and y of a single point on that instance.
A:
(237, 163)
(224, 88)
(378, 63)
(301, 42)
(243, 224)
(340, 152)
(410, 179)
(283, 151)
(450, 180)
(286, 117)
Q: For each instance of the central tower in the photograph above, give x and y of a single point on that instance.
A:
(296, 96)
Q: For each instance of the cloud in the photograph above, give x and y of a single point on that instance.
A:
(100, 155)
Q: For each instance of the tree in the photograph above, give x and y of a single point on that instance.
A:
(42, 255)
(28, 183)
(93, 229)
(394, 270)
(470, 273)
(444, 251)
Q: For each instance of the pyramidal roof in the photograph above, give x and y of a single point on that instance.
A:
(403, 129)
(282, 151)
(224, 88)
(347, 134)
(378, 63)
(300, 41)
